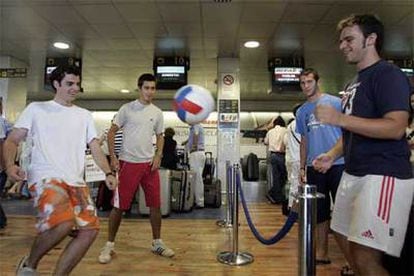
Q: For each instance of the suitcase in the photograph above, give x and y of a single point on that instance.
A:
(263, 169)
(251, 167)
(103, 196)
(212, 194)
(208, 170)
(182, 191)
(165, 186)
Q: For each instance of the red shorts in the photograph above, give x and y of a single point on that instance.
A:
(131, 176)
(58, 202)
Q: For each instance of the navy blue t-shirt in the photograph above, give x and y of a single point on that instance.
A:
(377, 90)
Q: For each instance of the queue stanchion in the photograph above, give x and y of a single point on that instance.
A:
(235, 258)
(307, 196)
(227, 221)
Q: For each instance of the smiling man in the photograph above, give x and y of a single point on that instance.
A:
(376, 190)
(59, 132)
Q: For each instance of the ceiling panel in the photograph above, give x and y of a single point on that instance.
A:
(118, 39)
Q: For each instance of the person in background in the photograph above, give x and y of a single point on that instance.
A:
(374, 197)
(275, 141)
(169, 155)
(197, 160)
(138, 164)
(3, 176)
(60, 131)
(292, 142)
(317, 138)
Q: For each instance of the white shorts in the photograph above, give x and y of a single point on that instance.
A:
(373, 210)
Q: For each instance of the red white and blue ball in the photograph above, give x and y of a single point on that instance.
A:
(193, 103)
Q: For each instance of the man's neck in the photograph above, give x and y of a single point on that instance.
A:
(369, 59)
(315, 96)
(62, 102)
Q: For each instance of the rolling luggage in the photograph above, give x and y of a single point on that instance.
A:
(212, 194)
(103, 197)
(208, 171)
(182, 190)
(250, 167)
(165, 186)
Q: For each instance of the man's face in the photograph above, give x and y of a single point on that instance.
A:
(352, 43)
(308, 85)
(68, 88)
(147, 91)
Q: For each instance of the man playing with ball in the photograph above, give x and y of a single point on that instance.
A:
(138, 164)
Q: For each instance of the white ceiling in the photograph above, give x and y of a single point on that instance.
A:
(118, 39)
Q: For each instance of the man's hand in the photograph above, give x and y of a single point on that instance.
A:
(323, 163)
(327, 114)
(16, 173)
(156, 162)
(111, 182)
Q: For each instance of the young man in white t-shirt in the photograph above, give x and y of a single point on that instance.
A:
(138, 164)
(60, 132)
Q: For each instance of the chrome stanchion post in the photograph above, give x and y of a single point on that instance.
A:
(235, 257)
(307, 224)
(227, 222)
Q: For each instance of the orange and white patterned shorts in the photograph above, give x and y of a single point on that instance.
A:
(58, 202)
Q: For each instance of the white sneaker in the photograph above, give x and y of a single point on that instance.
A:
(106, 253)
(23, 270)
(159, 248)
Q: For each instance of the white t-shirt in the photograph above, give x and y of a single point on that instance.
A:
(274, 138)
(139, 123)
(59, 137)
(292, 142)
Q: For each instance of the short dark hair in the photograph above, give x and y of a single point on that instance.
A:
(61, 71)
(279, 122)
(308, 71)
(169, 131)
(145, 77)
(369, 24)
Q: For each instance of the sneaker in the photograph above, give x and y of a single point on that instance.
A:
(106, 253)
(23, 270)
(159, 248)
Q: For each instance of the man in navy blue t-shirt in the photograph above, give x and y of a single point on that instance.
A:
(374, 197)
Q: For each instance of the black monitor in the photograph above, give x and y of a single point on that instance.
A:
(170, 77)
(285, 73)
(52, 63)
(171, 72)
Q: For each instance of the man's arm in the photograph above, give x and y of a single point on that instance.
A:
(102, 162)
(10, 146)
(156, 161)
(111, 146)
(391, 126)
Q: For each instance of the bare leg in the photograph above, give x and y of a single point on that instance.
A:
(74, 251)
(46, 241)
(344, 245)
(322, 240)
(115, 218)
(367, 260)
(155, 220)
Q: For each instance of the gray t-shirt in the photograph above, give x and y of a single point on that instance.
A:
(140, 123)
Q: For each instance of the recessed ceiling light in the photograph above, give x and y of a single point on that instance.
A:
(124, 91)
(61, 45)
(251, 44)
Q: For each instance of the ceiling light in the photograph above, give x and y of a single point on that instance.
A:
(61, 45)
(251, 44)
(124, 91)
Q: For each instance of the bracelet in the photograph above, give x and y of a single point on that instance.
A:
(109, 173)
